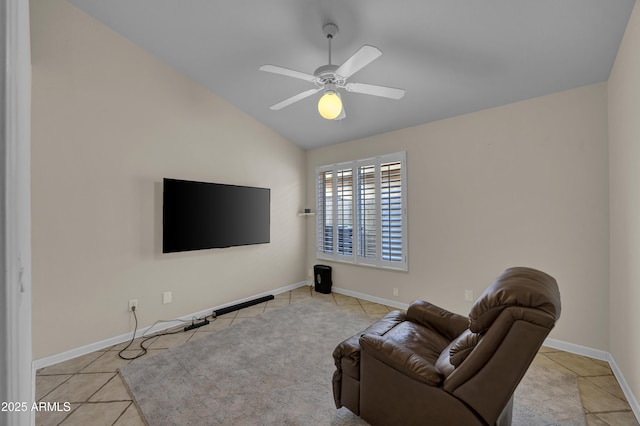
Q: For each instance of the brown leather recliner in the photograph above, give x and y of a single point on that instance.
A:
(434, 367)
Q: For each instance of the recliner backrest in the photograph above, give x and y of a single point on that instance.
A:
(525, 287)
(507, 326)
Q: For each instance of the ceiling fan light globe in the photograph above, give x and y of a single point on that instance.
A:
(330, 105)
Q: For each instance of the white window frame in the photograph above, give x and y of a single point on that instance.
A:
(354, 257)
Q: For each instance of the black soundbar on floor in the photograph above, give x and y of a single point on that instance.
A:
(242, 305)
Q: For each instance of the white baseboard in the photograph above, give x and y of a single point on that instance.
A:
(603, 356)
(83, 350)
(387, 302)
(577, 349)
(628, 393)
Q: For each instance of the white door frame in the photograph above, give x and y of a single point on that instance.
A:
(16, 358)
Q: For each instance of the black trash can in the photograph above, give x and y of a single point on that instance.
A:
(322, 278)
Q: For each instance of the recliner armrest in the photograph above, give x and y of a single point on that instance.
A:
(393, 354)
(350, 348)
(447, 323)
(347, 360)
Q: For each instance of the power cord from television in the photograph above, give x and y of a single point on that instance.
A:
(166, 333)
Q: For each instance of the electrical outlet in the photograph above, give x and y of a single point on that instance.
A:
(166, 297)
(468, 295)
(395, 291)
(133, 303)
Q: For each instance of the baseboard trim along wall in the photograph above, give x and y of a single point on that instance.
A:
(603, 356)
(386, 302)
(552, 343)
(577, 349)
(631, 398)
(83, 350)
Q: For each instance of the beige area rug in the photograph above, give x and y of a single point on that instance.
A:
(548, 397)
(276, 369)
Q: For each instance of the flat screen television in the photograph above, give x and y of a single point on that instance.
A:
(202, 215)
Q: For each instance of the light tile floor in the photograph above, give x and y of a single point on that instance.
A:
(98, 396)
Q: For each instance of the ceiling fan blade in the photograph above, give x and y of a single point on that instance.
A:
(294, 99)
(288, 72)
(358, 60)
(372, 89)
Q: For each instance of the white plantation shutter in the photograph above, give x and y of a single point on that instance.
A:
(325, 212)
(391, 212)
(368, 202)
(344, 212)
(367, 212)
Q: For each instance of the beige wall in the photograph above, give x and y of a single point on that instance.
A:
(624, 190)
(109, 122)
(524, 184)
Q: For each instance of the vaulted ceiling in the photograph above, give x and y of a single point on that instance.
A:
(451, 56)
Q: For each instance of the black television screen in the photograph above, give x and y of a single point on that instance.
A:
(202, 215)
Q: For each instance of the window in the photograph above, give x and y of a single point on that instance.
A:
(361, 212)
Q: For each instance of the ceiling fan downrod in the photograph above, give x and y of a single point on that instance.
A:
(330, 31)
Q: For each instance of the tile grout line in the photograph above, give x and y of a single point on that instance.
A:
(63, 382)
(585, 410)
(101, 387)
(607, 391)
(122, 414)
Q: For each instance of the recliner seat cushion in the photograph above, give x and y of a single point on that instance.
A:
(411, 349)
(420, 340)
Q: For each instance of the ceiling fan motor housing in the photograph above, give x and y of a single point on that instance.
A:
(327, 74)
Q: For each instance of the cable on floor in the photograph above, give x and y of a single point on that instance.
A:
(166, 333)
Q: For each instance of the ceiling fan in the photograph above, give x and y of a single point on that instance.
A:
(329, 78)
